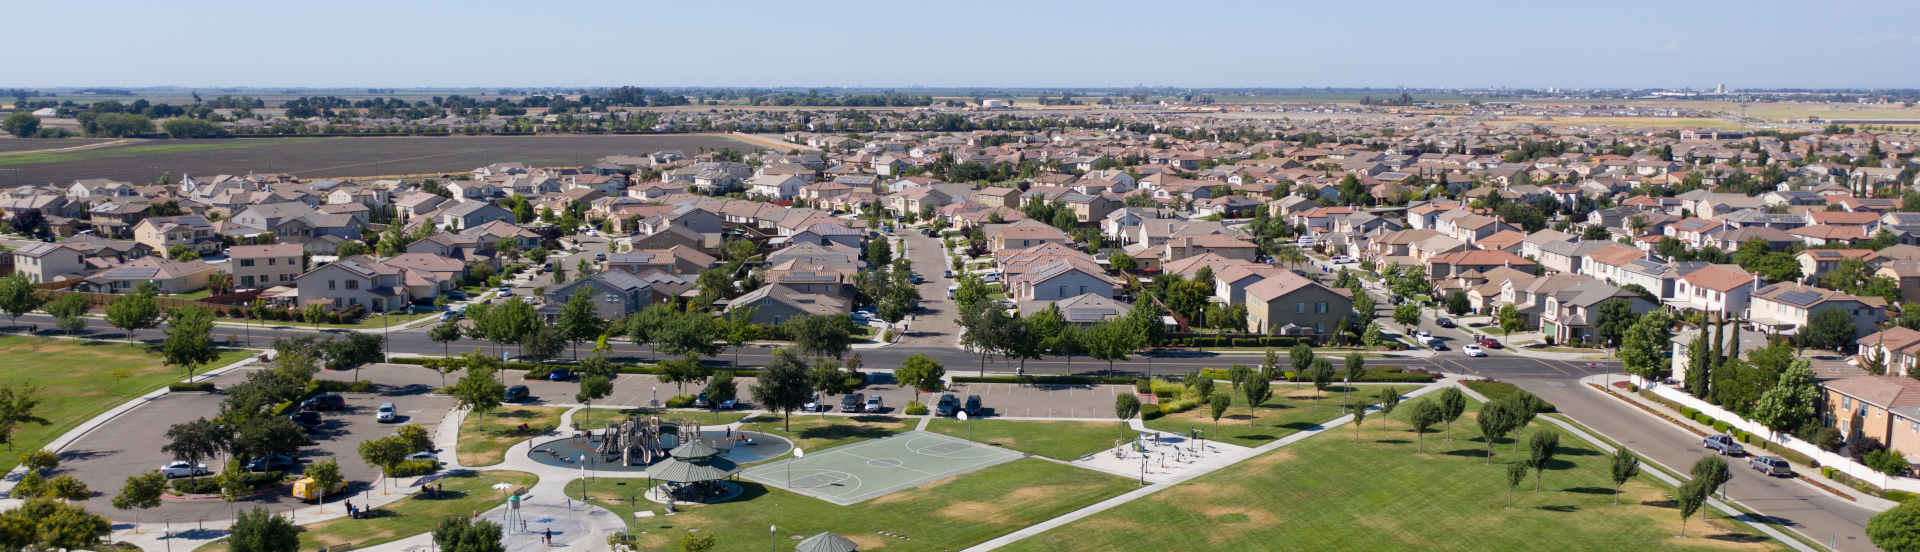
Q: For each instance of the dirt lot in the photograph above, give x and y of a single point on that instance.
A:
(141, 162)
(130, 444)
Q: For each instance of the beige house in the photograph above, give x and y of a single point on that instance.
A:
(1287, 304)
(171, 276)
(162, 233)
(259, 266)
(49, 262)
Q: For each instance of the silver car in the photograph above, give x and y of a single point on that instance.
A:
(387, 414)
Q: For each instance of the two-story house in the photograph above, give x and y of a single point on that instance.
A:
(1288, 304)
(162, 233)
(616, 294)
(259, 266)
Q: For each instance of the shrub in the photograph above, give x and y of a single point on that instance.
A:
(1150, 412)
(1886, 461)
(915, 408)
(1179, 406)
(417, 466)
(202, 387)
(197, 485)
(336, 386)
(1143, 386)
(538, 372)
(1826, 471)
(682, 400)
(1721, 426)
(1215, 373)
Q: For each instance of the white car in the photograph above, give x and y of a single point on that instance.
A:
(180, 468)
(861, 317)
(1473, 351)
(423, 455)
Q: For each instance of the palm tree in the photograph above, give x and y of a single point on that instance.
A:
(1638, 224)
(1290, 255)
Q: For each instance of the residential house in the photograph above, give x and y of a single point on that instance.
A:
(774, 304)
(172, 277)
(49, 262)
(192, 231)
(1785, 308)
(1288, 304)
(616, 294)
(260, 266)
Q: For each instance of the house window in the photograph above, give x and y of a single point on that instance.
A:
(1320, 308)
(331, 285)
(246, 262)
(353, 284)
(272, 261)
(1299, 308)
(1846, 403)
(1320, 327)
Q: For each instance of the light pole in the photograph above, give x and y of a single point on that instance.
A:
(773, 532)
(656, 396)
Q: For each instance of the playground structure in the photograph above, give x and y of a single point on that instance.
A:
(637, 442)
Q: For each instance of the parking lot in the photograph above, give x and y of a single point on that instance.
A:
(130, 443)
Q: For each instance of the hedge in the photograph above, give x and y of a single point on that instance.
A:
(211, 485)
(682, 400)
(417, 466)
(621, 368)
(1150, 412)
(915, 408)
(1243, 342)
(1036, 380)
(203, 387)
(1381, 374)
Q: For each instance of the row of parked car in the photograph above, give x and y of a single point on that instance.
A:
(307, 416)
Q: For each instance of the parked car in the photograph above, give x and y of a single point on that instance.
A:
(989, 277)
(180, 468)
(599, 256)
(518, 393)
(815, 405)
(423, 455)
(1473, 351)
(559, 374)
(271, 462)
(945, 406)
(915, 278)
(1771, 465)
(863, 317)
(1488, 342)
(851, 402)
(449, 315)
(973, 405)
(386, 414)
(324, 402)
(946, 274)
(456, 295)
(873, 404)
(1724, 444)
(306, 417)
(1443, 322)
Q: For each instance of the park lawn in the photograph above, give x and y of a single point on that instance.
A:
(466, 493)
(74, 381)
(1383, 494)
(814, 433)
(486, 445)
(1290, 410)
(949, 514)
(1057, 440)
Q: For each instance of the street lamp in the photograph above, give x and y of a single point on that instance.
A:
(773, 531)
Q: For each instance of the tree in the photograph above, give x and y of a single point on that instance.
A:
(1690, 497)
(1359, 415)
(189, 342)
(1625, 467)
(1364, 304)
(697, 543)
(1792, 400)
(598, 387)
(457, 533)
(1219, 404)
(57, 525)
(1897, 529)
(1322, 378)
(477, 390)
(514, 322)
(1495, 420)
(262, 531)
(1423, 416)
(21, 124)
(1257, 389)
(18, 407)
(1615, 317)
(544, 343)
(923, 374)
(40, 460)
(1543, 446)
(1301, 357)
(1828, 329)
(1457, 303)
(142, 492)
(1516, 473)
(1453, 404)
(1646, 342)
(1511, 320)
(783, 385)
(326, 475)
(133, 311)
(682, 371)
(70, 312)
(1121, 261)
(385, 452)
(445, 333)
(1407, 314)
(821, 336)
(1125, 406)
(18, 297)
(879, 253)
(273, 435)
(1711, 471)
(579, 320)
(197, 440)
(1356, 364)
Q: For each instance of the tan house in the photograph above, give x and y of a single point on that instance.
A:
(171, 276)
(259, 266)
(1288, 304)
(1884, 408)
(162, 233)
(49, 262)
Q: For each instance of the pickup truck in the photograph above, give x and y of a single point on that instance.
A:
(1725, 445)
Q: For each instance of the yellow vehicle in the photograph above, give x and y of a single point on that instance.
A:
(304, 488)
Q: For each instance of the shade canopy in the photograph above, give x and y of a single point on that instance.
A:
(826, 542)
(693, 449)
(676, 470)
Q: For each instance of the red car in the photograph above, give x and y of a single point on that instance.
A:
(1489, 342)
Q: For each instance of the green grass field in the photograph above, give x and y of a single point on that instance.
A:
(812, 432)
(1290, 410)
(949, 514)
(78, 380)
(138, 150)
(486, 444)
(1057, 440)
(1383, 494)
(408, 517)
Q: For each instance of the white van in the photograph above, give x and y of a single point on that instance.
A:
(952, 288)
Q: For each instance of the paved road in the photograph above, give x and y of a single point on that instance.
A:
(937, 323)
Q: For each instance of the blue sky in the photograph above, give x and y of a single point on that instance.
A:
(354, 43)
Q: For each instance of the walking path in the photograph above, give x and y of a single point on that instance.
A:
(1196, 471)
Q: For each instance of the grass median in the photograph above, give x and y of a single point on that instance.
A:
(1382, 493)
(948, 514)
(465, 494)
(486, 444)
(78, 380)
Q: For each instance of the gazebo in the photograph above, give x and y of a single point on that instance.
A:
(693, 472)
(826, 542)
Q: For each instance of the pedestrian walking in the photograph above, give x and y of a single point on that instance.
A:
(549, 536)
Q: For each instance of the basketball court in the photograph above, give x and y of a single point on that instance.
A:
(871, 469)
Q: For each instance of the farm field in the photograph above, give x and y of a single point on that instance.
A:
(141, 162)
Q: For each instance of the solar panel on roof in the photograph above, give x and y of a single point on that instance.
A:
(1768, 289)
(1801, 298)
